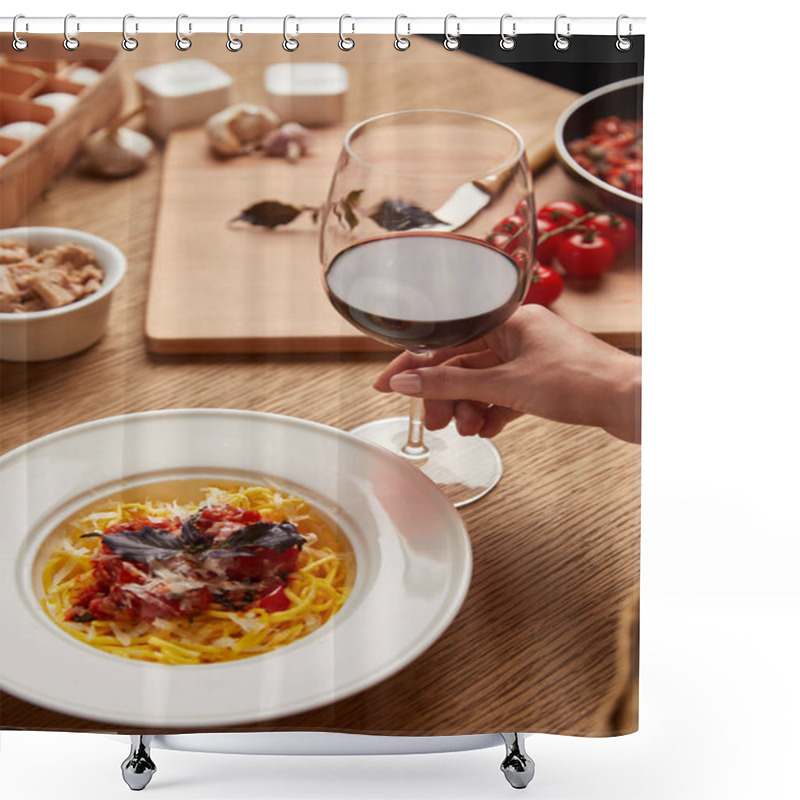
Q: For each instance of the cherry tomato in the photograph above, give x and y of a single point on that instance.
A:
(276, 600)
(585, 255)
(561, 211)
(510, 225)
(546, 250)
(502, 241)
(523, 208)
(620, 231)
(546, 286)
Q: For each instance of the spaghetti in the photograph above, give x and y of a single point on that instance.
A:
(243, 572)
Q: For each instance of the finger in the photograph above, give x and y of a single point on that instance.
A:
(469, 417)
(407, 361)
(484, 359)
(495, 419)
(438, 414)
(453, 383)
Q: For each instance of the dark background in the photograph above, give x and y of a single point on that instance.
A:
(535, 55)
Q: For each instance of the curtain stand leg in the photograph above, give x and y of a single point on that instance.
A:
(138, 768)
(517, 766)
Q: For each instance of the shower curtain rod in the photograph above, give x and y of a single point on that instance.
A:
(347, 24)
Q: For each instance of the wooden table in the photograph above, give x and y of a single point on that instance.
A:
(546, 637)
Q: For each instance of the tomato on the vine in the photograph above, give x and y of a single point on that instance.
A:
(502, 241)
(586, 255)
(619, 230)
(561, 211)
(510, 225)
(546, 286)
(546, 250)
(523, 208)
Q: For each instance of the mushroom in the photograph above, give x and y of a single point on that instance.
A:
(240, 128)
(290, 141)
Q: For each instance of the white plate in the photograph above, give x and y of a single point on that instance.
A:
(413, 565)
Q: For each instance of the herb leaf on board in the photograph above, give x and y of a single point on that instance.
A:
(398, 215)
(270, 214)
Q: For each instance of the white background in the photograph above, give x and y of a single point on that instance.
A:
(720, 703)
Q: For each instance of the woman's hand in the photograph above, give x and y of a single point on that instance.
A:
(535, 363)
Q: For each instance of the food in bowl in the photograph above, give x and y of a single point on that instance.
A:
(612, 152)
(62, 330)
(200, 574)
(36, 279)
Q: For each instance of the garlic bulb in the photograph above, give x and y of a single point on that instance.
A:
(290, 141)
(116, 153)
(239, 128)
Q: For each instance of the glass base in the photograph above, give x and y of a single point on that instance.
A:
(465, 468)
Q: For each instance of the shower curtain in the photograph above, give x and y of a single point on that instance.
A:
(191, 539)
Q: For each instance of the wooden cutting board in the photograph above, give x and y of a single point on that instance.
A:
(220, 289)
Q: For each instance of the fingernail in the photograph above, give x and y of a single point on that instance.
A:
(406, 383)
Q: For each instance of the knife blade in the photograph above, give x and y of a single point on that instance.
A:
(469, 200)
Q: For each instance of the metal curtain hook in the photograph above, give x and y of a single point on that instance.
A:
(345, 42)
(19, 43)
(561, 42)
(70, 42)
(233, 44)
(129, 43)
(400, 42)
(623, 43)
(290, 44)
(507, 42)
(451, 42)
(181, 41)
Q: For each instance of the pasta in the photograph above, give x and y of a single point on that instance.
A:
(200, 603)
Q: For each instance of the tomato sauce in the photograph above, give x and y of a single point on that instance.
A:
(201, 572)
(612, 152)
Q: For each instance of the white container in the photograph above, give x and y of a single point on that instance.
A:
(58, 332)
(309, 93)
(181, 94)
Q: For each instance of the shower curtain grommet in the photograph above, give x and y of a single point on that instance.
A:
(400, 42)
(290, 44)
(183, 43)
(233, 44)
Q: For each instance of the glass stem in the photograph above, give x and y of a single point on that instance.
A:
(415, 445)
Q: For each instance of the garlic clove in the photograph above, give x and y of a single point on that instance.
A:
(239, 128)
(289, 141)
(117, 153)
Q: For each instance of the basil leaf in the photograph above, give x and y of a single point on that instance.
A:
(278, 536)
(191, 537)
(146, 544)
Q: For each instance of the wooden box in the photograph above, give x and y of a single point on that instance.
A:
(28, 167)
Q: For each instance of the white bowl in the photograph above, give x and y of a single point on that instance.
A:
(58, 332)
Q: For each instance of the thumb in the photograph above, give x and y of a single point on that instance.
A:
(447, 382)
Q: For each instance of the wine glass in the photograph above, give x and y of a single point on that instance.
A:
(427, 243)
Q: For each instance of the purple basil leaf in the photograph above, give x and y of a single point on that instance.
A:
(146, 544)
(278, 536)
(191, 537)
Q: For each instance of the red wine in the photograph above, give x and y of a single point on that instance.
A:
(424, 291)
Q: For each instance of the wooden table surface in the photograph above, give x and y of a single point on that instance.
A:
(545, 640)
